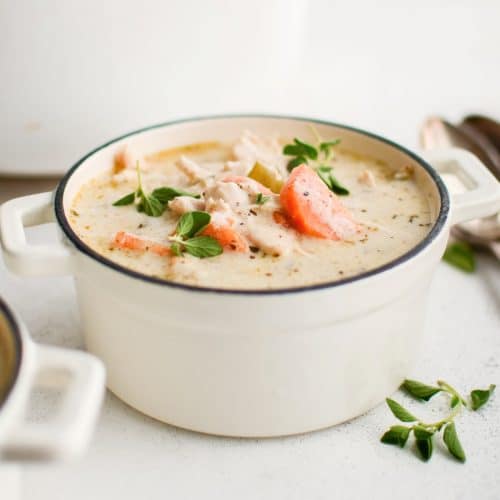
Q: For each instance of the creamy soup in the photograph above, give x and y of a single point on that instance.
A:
(272, 215)
(7, 358)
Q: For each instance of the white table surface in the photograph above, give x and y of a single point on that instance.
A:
(384, 68)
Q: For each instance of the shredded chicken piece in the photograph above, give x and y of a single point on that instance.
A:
(192, 170)
(126, 160)
(229, 192)
(367, 178)
(270, 237)
(248, 185)
(251, 148)
(220, 211)
(183, 204)
(237, 167)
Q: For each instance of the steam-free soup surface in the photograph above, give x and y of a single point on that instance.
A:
(271, 225)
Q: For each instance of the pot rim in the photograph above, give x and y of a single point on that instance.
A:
(15, 329)
(414, 251)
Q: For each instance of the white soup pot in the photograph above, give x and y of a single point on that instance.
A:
(240, 362)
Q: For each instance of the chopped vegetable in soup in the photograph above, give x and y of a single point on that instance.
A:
(260, 213)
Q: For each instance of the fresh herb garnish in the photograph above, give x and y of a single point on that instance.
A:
(301, 149)
(397, 434)
(399, 412)
(419, 390)
(128, 199)
(304, 153)
(423, 441)
(450, 438)
(148, 203)
(202, 246)
(479, 397)
(295, 162)
(192, 223)
(460, 255)
(153, 204)
(260, 199)
(326, 147)
(187, 238)
(166, 194)
(329, 179)
(424, 432)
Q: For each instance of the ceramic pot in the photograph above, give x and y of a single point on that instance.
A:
(259, 362)
(25, 365)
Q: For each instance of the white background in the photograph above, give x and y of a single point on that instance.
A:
(74, 74)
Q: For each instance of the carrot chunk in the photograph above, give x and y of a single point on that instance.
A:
(129, 241)
(313, 209)
(280, 218)
(227, 237)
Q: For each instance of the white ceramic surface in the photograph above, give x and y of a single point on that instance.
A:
(81, 378)
(268, 371)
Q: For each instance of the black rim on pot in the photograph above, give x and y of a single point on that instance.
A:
(83, 247)
(15, 332)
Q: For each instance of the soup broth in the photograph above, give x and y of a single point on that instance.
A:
(275, 224)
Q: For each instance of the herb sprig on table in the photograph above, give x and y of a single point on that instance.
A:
(461, 256)
(315, 156)
(424, 432)
(155, 203)
(187, 236)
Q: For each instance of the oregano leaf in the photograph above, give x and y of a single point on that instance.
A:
(397, 435)
(480, 397)
(203, 246)
(399, 412)
(419, 390)
(452, 442)
(128, 199)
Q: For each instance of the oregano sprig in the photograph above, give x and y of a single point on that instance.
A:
(187, 236)
(460, 255)
(424, 432)
(315, 156)
(155, 203)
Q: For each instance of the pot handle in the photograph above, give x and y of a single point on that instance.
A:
(66, 434)
(22, 257)
(482, 195)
